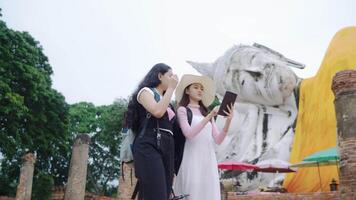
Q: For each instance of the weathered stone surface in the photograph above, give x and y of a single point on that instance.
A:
(344, 82)
(75, 189)
(344, 87)
(24, 189)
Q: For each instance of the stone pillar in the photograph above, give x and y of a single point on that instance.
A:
(344, 87)
(75, 188)
(127, 182)
(24, 189)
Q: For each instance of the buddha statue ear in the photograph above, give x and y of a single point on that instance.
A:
(206, 69)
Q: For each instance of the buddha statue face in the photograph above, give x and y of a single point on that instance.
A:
(257, 75)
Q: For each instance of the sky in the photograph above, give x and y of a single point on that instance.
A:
(101, 50)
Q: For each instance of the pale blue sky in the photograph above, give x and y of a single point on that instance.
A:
(100, 50)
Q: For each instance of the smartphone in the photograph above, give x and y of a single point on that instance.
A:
(229, 99)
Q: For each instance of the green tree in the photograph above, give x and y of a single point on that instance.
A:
(33, 116)
(103, 124)
(42, 187)
(216, 102)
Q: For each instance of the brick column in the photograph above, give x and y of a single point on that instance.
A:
(75, 188)
(58, 193)
(344, 87)
(24, 189)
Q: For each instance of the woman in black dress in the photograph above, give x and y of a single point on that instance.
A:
(151, 118)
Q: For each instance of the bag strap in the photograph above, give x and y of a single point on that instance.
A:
(148, 115)
(134, 194)
(189, 115)
(122, 171)
(156, 95)
(145, 122)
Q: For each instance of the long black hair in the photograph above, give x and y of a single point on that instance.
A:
(150, 80)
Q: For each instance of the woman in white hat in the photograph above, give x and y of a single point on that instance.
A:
(198, 173)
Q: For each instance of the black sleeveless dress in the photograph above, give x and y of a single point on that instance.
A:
(153, 152)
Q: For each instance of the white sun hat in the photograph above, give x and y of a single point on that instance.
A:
(208, 84)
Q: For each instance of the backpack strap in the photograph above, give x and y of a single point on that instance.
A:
(179, 139)
(189, 115)
(145, 122)
(134, 194)
(156, 95)
(122, 171)
(148, 115)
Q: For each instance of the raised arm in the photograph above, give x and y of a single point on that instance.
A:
(218, 135)
(157, 109)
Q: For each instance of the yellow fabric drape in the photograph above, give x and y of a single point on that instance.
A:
(316, 122)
